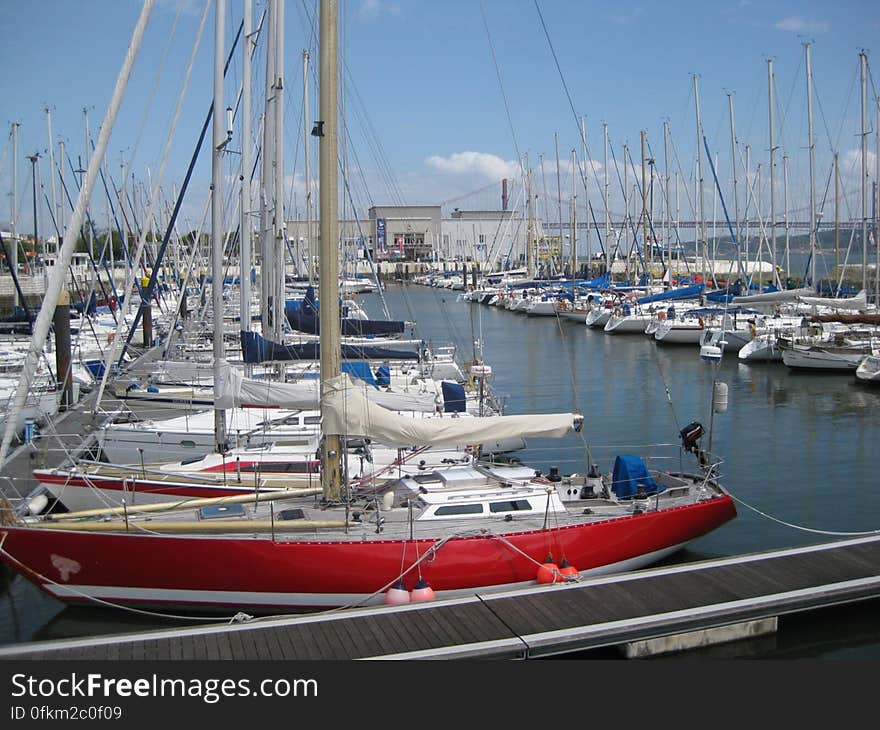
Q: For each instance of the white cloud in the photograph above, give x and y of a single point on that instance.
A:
(371, 9)
(796, 24)
(480, 164)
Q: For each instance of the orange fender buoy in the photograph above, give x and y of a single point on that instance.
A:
(397, 595)
(548, 572)
(568, 570)
(423, 592)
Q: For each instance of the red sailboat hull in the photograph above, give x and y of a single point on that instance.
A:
(267, 573)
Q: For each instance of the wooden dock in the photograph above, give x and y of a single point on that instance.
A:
(644, 612)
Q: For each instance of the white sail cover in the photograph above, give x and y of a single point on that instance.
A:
(346, 411)
(783, 295)
(858, 302)
(235, 390)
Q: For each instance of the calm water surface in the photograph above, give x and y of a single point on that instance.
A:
(800, 450)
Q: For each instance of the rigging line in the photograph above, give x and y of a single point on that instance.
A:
(152, 282)
(666, 202)
(570, 102)
(158, 75)
(500, 82)
(95, 599)
(801, 527)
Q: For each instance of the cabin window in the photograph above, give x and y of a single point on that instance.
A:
(459, 509)
(429, 478)
(311, 420)
(511, 505)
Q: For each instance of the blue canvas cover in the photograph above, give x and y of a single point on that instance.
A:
(629, 474)
(256, 349)
(302, 314)
(383, 375)
(360, 370)
(453, 397)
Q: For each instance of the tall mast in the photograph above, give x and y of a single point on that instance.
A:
(329, 236)
(607, 210)
(217, 238)
(245, 224)
(280, 224)
(626, 218)
(267, 243)
(863, 64)
(530, 226)
(586, 193)
(644, 201)
(666, 198)
(56, 204)
(701, 217)
(812, 169)
(573, 219)
(13, 262)
(785, 214)
(772, 166)
(836, 211)
(558, 200)
(308, 167)
(733, 164)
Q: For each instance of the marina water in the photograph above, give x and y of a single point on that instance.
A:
(799, 450)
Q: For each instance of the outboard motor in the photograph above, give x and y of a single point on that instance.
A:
(690, 436)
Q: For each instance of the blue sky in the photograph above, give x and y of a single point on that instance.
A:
(443, 98)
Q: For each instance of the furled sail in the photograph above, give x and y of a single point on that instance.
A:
(783, 295)
(236, 391)
(347, 411)
(859, 301)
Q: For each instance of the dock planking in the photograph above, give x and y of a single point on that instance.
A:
(526, 623)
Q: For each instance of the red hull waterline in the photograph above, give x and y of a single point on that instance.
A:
(259, 573)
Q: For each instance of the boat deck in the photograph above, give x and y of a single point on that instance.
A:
(620, 610)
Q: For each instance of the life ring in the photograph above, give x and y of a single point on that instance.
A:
(661, 316)
(700, 320)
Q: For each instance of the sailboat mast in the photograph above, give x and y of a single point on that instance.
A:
(607, 211)
(811, 146)
(863, 64)
(733, 162)
(701, 220)
(785, 214)
(666, 198)
(573, 220)
(586, 194)
(329, 236)
(308, 166)
(245, 228)
(267, 248)
(280, 224)
(772, 166)
(648, 252)
(13, 254)
(530, 226)
(217, 237)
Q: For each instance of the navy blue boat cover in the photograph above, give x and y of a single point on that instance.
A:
(629, 474)
(454, 399)
(303, 316)
(256, 349)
